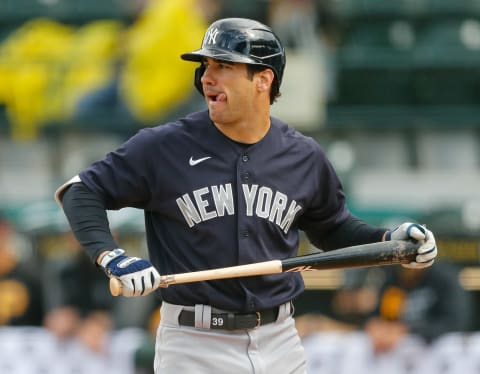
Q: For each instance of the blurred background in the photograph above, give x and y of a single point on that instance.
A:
(390, 89)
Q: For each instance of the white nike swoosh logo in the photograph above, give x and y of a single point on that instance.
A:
(193, 162)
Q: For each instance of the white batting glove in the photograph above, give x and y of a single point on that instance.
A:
(138, 276)
(426, 253)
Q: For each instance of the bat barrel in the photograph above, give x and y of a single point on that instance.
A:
(374, 254)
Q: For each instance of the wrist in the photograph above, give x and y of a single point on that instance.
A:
(100, 256)
(387, 236)
(106, 257)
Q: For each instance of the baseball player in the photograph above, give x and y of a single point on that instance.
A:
(225, 186)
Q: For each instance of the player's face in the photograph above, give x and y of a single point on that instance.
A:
(229, 92)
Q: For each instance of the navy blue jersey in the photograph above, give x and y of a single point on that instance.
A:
(210, 202)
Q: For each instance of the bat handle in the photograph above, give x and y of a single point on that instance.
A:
(116, 287)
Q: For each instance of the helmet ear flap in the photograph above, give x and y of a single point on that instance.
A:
(198, 76)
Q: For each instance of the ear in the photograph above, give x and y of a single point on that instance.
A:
(265, 79)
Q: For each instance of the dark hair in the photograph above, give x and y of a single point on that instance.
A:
(274, 89)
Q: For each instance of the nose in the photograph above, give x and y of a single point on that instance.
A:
(207, 77)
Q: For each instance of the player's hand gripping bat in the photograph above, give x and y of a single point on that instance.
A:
(375, 254)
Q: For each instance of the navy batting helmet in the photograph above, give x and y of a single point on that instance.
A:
(240, 40)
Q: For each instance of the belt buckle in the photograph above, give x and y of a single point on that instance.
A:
(259, 319)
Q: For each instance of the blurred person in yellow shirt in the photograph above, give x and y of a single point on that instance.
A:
(148, 83)
(45, 67)
(153, 80)
(52, 73)
(29, 61)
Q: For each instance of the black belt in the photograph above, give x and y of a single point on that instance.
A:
(231, 320)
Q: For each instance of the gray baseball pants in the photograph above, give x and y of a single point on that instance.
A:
(271, 348)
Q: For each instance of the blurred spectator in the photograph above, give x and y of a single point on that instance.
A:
(299, 23)
(154, 81)
(20, 291)
(391, 303)
(46, 66)
(70, 280)
(94, 331)
(90, 66)
(148, 82)
(358, 297)
(304, 26)
(63, 322)
(77, 300)
(426, 302)
(52, 72)
(30, 58)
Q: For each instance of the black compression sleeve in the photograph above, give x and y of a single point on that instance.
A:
(352, 232)
(88, 219)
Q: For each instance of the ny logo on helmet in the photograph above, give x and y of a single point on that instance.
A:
(211, 36)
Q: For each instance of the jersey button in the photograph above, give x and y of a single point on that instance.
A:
(245, 234)
(245, 158)
(245, 177)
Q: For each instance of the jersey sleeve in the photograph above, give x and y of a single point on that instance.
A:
(327, 210)
(122, 178)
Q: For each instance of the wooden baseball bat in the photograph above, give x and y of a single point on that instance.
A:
(373, 254)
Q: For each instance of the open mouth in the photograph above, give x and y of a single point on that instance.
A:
(216, 97)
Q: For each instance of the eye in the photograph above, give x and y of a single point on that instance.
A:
(223, 66)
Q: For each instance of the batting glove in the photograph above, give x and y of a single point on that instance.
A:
(426, 253)
(138, 276)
